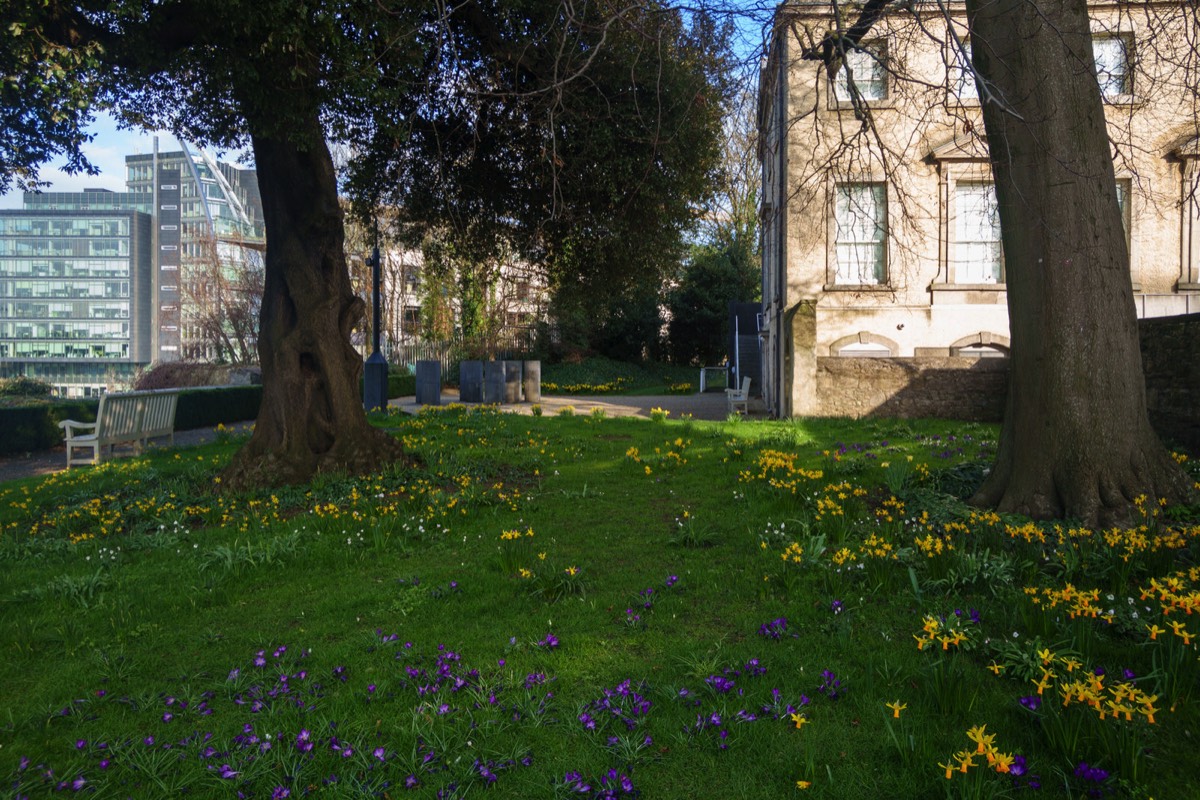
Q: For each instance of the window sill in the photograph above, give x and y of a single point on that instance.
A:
(859, 287)
(847, 105)
(968, 294)
(1121, 100)
(968, 287)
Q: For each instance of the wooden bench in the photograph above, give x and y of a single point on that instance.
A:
(122, 418)
(739, 397)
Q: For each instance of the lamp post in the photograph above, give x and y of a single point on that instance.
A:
(375, 394)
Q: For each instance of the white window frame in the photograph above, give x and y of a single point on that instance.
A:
(868, 66)
(1113, 56)
(860, 256)
(960, 77)
(978, 251)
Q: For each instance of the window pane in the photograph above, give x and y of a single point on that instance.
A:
(869, 72)
(977, 247)
(1123, 187)
(1112, 65)
(861, 236)
(962, 80)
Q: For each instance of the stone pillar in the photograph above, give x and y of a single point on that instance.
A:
(429, 383)
(532, 382)
(470, 381)
(512, 382)
(493, 382)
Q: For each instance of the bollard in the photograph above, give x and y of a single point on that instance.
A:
(512, 382)
(429, 383)
(470, 381)
(493, 382)
(532, 383)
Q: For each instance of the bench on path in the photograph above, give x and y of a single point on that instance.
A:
(739, 397)
(122, 418)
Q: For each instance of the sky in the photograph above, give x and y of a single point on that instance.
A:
(106, 151)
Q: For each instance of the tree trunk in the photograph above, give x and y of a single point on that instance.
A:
(312, 416)
(1076, 441)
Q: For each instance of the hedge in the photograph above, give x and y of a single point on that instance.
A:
(35, 427)
(401, 385)
(204, 408)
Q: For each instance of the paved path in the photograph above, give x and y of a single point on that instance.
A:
(708, 406)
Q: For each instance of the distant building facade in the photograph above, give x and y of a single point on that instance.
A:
(95, 285)
(75, 294)
(884, 241)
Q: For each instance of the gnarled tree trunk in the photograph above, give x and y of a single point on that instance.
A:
(1076, 441)
(312, 416)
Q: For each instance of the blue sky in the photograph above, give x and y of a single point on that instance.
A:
(106, 151)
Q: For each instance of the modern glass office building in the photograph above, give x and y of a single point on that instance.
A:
(75, 294)
(97, 284)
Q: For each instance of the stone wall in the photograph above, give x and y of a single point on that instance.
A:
(1171, 362)
(951, 388)
(975, 389)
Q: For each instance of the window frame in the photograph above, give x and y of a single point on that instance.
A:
(1126, 95)
(959, 76)
(957, 259)
(883, 264)
(873, 52)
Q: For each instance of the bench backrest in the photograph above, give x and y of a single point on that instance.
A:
(135, 415)
(118, 418)
(745, 390)
(159, 413)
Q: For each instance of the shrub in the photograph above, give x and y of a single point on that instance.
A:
(201, 408)
(401, 385)
(21, 386)
(35, 427)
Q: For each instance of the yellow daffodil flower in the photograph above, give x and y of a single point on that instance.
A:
(896, 708)
(979, 735)
(799, 720)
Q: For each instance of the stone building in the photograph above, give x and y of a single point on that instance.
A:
(881, 238)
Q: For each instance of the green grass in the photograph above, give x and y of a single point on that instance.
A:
(599, 375)
(406, 637)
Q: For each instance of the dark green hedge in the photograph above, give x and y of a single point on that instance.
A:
(204, 408)
(35, 427)
(28, 428)
(401, 385)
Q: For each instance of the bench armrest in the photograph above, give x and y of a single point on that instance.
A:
(69, 426)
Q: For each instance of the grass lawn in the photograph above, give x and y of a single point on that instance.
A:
(599, 375)
(579, 606)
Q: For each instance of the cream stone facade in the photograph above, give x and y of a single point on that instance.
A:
(880, 235)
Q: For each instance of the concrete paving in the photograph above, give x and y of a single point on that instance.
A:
(707, 406)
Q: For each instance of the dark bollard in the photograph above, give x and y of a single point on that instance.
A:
(493, 382)
(470, 381)
(429, 383)
(512, 382)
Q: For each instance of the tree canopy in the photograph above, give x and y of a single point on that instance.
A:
(580, 133)
(584, 138)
